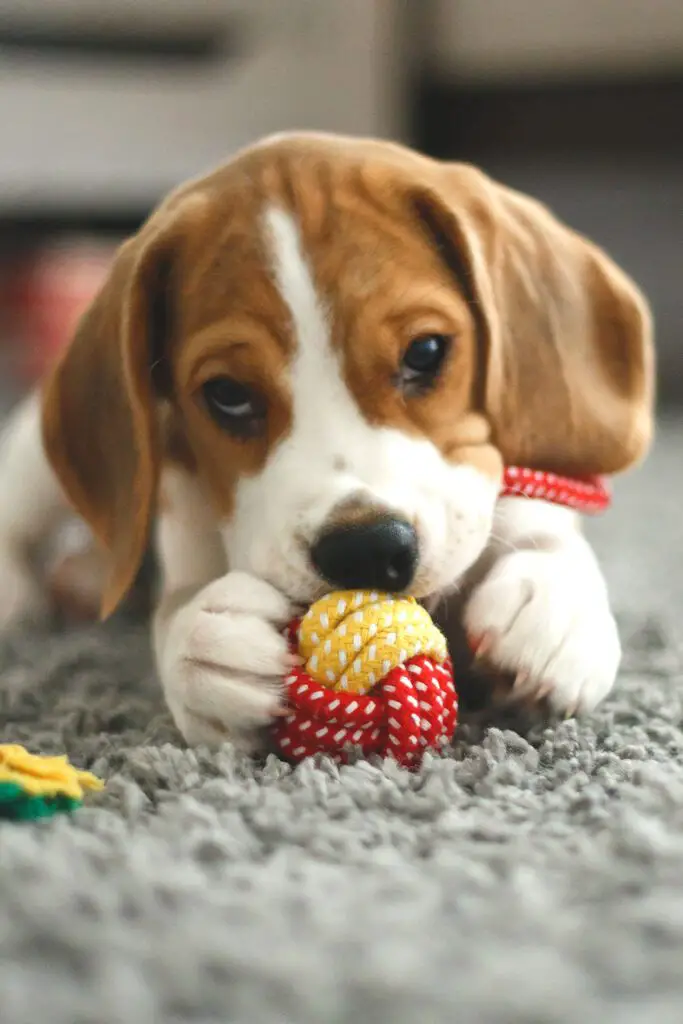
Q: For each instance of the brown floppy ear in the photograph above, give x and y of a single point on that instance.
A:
(568, 356)
(99, 404)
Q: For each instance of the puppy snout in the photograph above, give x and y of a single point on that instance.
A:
(378, 554)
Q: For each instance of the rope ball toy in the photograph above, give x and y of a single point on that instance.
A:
(375, 675)
(32, 786)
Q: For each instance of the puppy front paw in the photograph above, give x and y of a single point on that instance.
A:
(536, 618)
(224, 661)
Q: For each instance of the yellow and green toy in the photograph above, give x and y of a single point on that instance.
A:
(33, 786)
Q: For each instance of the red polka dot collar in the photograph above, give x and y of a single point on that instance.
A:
(589, 495)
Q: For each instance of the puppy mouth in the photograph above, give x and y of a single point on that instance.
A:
(299, 584)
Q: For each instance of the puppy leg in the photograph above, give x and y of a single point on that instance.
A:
(31, 506)
(541, 611)
(220, 652)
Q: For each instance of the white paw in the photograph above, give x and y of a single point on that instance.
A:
(224, 658)
(538, 616)
(22, 599)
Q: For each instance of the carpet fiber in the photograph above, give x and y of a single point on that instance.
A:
(532, 879)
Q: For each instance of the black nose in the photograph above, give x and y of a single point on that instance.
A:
(377, 555)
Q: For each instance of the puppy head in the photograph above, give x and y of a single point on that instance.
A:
(345, 342)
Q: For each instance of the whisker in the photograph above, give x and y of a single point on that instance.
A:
(503, 541)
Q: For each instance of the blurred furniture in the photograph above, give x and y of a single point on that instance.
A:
(44, 290)
(483, 40)
(108, 105)
(579, 102)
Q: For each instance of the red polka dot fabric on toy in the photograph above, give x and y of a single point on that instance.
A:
(413, 709)
(589, 495)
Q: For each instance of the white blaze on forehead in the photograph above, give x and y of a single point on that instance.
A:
(318, 391)
(292, 274)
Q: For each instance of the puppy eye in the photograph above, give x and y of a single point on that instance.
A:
(424, 357)
(236, 407)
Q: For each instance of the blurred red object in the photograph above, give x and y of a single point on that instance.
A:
(45, 293)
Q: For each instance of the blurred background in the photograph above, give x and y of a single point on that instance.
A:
(106, 104)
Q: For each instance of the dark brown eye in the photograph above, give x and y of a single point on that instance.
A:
(423, 358)
(236, 407)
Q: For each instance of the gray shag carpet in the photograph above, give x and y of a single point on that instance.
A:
(526, 878)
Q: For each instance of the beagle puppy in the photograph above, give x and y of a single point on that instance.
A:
(308, 369)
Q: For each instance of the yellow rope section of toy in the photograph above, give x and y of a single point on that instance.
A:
(44, 776)
(352, 639)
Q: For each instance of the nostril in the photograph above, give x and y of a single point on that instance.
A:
(381, 554)
(400, 565)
